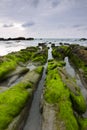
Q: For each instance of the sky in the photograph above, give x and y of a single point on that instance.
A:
(43, 18)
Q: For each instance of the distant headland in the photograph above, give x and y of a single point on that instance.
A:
(17, 38)
(83, 39)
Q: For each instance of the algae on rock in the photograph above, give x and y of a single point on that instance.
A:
(57, 94)
(13, 100)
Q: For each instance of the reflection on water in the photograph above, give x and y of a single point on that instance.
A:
(69, 68)
(50, 52)
(8, 47)
(71, 71)
(30, 66)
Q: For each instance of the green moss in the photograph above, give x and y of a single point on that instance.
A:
(40, 59)
(54, 64)
(7, 67)
(56, 54)
(78, 61)
(39, 69)
(50, 60)
(57, 93)
(72, 52)
(61, 63)
(82, 123)
(14, 99)
(55, 86)
(40, 56)
(10, 61)
(55, 90)
(66, 114)
(78, 102)
(11, 103)
(60, 52)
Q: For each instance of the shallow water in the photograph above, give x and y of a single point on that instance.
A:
(70, 70)
(50, 52)
(12, 46)
(31, 66)
(34, 118)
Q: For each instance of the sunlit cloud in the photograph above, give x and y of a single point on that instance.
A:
(18, 26)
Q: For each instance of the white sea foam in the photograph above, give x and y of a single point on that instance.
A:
(11, 46)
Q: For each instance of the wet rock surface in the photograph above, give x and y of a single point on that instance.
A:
(81, 52)
(49, 117)
(78, 56)
(69, 81)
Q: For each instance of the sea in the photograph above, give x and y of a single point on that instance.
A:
(13, 46)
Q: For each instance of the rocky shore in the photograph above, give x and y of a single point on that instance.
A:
(62, 104)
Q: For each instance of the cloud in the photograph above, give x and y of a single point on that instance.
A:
(77, 25)
(35, 2)
(28, 24)
(84, 28)
(55, 3)
(80, 27)
(8, 25)
(40, 16)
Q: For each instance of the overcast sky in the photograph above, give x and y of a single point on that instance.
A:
(43, 18)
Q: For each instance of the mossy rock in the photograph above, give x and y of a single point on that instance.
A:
(78, 56)
(77, 99)
(40, 56)
(82, 123)
(13, 100)
(58, 94)
(11, 60)
(11, 103)
(39, 69)
(54, 64)
(40, 59)
(78, 102)
(6, 68)
(60, 52)
(66, 114)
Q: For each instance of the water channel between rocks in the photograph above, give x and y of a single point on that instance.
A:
(34, 119)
